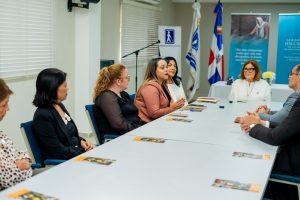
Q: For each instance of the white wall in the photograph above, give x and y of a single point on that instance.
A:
(184, 16)
(168, 14)
(110, 30)
(87, 59)
(21, 108)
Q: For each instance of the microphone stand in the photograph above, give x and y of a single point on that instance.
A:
(136, 52)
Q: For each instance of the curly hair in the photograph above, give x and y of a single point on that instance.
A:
(106, 78)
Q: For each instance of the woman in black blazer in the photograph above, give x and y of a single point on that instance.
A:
(56, 132)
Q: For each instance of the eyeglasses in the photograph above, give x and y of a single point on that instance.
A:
(249, 69)
(127, 77)
(292, 73)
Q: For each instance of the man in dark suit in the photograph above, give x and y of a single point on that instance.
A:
(287, 136)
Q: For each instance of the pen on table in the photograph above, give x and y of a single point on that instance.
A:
(196, 110)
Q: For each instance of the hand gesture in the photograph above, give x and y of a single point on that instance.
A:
(263, 109)
(23, 164)
(86, 145)
(178, 104)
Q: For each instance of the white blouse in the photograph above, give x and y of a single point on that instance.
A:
(255, 91)
(176, 92)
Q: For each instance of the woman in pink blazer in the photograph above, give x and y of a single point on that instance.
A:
(153, 99)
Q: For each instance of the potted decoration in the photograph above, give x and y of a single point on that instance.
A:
(269, 77)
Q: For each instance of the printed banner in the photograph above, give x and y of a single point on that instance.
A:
(249, 41)
(170, 43)
(288, 51)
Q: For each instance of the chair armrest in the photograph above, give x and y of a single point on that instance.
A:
(286, 178)
(110, 136)
(36, 166)
(53, 161)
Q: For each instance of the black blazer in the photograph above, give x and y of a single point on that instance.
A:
(52, 136)
(287, 136)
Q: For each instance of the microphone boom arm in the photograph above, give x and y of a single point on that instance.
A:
(136, 52)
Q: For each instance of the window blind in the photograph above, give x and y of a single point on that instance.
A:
(27, 37)
(139, 28)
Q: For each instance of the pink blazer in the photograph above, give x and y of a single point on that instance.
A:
(152, 102)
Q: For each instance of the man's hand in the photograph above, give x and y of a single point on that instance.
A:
(263, 109)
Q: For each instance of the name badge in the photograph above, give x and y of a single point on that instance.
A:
(2, 143)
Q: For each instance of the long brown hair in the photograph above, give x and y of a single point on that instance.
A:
(4, 90)
(150, 74)
(258, 74)
(106, 78)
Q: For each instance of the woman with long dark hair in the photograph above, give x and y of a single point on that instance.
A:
(174, 83)
(153, 98)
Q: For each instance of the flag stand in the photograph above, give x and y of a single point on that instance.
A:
(136, 52)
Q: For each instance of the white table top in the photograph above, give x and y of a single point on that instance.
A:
(143, 170)
(213, 125)
(184, 167)
(279, 92)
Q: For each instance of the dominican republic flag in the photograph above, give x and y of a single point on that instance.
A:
(193, 53)
(216, 57)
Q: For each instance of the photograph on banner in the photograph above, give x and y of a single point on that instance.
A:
(288, 51)
(249, 41)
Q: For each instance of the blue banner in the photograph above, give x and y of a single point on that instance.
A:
(288, 51)
(249, 41)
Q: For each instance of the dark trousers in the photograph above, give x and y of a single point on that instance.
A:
(279, 191)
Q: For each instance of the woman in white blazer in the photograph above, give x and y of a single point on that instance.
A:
(250, 86)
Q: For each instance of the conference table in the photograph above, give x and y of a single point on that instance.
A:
(185, 166)
(279, 92)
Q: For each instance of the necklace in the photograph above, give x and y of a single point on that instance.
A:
(66, 118)
(249, 92)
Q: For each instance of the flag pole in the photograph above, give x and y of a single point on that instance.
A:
(193, 52)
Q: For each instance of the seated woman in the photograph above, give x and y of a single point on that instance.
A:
(113, 110)
(173, 83)
(250, 86)
(56, 132)
(153, 99)
(14, 164)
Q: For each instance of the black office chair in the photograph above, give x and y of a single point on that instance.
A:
(132, 97)
(33, 148)
(101, 138)
(285, 179)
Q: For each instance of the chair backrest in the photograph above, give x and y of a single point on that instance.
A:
(89, 109)
(31, 143)
(132, 96)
